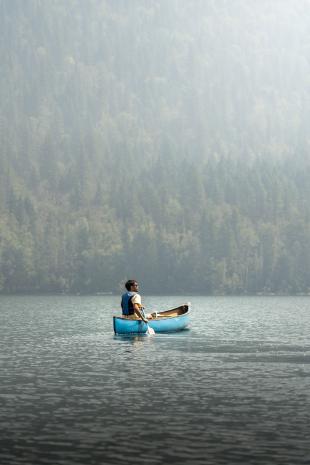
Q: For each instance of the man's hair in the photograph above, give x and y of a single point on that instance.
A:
(130, 283)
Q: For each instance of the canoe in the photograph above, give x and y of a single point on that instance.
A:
(168, 321)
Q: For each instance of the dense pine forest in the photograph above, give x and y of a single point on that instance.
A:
(162, 140)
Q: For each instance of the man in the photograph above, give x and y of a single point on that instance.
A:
(131, 302)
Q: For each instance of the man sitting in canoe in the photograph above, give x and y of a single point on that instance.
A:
(131, 302)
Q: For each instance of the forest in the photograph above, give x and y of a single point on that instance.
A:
(165, 141)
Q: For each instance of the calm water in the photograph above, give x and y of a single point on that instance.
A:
(233, 389)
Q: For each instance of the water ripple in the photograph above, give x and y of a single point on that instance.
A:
(234, 389)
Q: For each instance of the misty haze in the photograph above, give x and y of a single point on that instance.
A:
(162, 145)
(165, 140)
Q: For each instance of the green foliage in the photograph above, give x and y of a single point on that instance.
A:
(165, 141)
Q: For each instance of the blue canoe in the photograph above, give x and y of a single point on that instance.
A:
(172, 320)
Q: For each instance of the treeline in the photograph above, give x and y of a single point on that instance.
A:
(225, 228)
(165, 141)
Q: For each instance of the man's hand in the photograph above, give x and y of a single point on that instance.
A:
(140, 313)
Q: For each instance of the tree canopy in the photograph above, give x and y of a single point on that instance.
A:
(165, 141)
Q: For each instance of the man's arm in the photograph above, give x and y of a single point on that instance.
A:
(139, 313)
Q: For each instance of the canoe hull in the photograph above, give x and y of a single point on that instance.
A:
(161, 324)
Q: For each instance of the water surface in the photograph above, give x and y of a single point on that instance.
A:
(233, 389)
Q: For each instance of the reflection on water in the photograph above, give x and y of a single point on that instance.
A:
(233, 389)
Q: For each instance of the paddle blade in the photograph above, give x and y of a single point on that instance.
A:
(150, 331)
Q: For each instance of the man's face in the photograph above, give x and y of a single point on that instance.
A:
(135, 287)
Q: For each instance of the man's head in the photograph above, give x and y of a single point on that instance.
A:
(132, 285)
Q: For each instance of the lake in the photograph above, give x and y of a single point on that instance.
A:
(233, 389)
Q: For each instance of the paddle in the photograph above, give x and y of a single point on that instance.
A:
(150, 331)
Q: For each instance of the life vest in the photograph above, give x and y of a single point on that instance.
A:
(127, 305)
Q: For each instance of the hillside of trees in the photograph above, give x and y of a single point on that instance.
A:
(162, 140)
